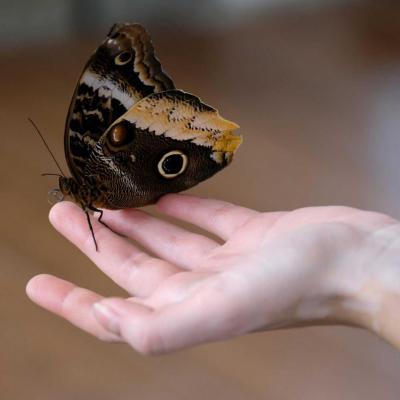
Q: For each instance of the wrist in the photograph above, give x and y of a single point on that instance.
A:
(365, 286)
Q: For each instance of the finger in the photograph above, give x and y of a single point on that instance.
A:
(173, 327)
(167, 241)
(125, 264)
(215, 216)
(69, 302)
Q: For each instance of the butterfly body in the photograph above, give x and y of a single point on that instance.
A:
(131, 136)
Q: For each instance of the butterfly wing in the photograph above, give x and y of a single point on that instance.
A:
(122, 71)
(167, 142)
(183, 117)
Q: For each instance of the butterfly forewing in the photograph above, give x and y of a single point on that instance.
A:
(122, 71)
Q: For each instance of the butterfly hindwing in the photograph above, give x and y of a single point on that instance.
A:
(167, 142)
(121, 72)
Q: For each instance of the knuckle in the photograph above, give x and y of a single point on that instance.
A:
(194, 244)
(148, 341)
(134, 262)
(138, 259)
(223, 209)
(71, 300)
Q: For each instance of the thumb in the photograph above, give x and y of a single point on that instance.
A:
(131, 321)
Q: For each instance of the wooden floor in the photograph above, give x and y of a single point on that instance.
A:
(317, 95)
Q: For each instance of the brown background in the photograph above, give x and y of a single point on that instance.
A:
(317, 95)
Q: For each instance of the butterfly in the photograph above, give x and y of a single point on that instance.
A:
(131, 136)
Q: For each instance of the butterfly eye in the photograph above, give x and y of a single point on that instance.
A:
(172, 164)
(123, 58)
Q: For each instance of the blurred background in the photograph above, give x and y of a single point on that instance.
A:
(315, 87)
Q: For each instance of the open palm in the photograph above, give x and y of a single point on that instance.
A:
(270, 270)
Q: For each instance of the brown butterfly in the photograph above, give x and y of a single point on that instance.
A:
(130, 136)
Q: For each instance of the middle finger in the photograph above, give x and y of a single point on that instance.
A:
(168, 241)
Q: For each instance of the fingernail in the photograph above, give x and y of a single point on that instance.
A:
(107, 317)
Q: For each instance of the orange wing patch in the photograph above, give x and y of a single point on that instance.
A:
(182, 116)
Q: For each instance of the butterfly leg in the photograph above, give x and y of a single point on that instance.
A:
(94, 209)
(91, 229)
(100, 216)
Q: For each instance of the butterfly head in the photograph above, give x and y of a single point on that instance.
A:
(69, 187)
(83, 193)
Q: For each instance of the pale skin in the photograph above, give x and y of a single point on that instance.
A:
(316, 265)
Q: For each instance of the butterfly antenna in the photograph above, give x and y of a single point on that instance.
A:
(47, 147)
(47, 174)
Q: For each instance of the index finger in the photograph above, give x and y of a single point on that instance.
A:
(216, 216)
(127, 265)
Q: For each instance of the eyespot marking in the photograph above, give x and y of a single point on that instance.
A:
(172, 164)
(120, 134)
(123, 58)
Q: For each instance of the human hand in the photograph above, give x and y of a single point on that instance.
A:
(321, 265)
